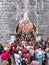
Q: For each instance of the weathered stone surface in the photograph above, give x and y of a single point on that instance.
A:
(11, 11)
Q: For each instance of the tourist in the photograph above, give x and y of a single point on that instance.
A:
(23, 62)
(17, 58)
(44, 57)
(34, 62)
(5, 55)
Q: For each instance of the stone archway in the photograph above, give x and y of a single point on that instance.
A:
(25, 26)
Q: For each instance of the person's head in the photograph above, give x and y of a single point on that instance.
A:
(15, 43)
(26, 44)
(7, 63)
(37, 45)
(23, 51)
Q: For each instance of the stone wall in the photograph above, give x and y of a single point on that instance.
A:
(11, 11)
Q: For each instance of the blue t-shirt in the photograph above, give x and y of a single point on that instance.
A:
(39, 57)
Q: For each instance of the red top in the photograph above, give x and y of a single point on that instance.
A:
(5, 55)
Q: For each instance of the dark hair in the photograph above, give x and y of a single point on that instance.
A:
(9, 60)
(34, 57)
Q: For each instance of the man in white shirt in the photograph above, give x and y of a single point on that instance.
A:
(17, 58)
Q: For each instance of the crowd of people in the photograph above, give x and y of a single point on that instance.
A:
(25, 51)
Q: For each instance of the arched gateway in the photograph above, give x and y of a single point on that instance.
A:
(25, 28)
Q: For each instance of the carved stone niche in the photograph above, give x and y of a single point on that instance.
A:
(25, 26)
